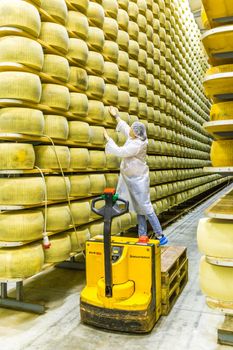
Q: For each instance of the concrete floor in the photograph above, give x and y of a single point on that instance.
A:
(191, 325)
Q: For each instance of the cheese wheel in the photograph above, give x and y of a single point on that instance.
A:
(97, 135)
(142, 23)
(81, 212)
(110, 8)
(60, 248)
(55, 36)
(142, 75)
(215, 238)
(216, 281)
(96, 229)
(95, 14)
(133, 86)
(110, 96)
(142, 93)
(97, 159)
(21, 226)
(142, 40)
(116, 226)
(22, 191)
(18, 262)
(98, 183)
(123, 80)
(46, 157)
(78, 78)
(16, 156)
(58, 217)
(79, 131)
(95, 63)
(133, 49)
(55, 96)
(221, 154)
(111, 180)
(21, 120)
(56, 67)
(78, 104)
(110, 28)
(123, 100)
(58, 188)
(96, 87)
(21, 50)
(29, 22)
(78, 51)
(123, 19)
(56, 127)
(123, 60)
(142, 57)
(133, 30)
(95, 39)
(96, 111)
(134, 105)
(20, 85)
(112, 162)
(80, 185)
(221, 111)
(110, 51)
(133, 10)
(77, 25)
(123, 4)
(78, 239)
(79, 158)
(111, 72)
(56, 9)
(80, 5)
(123, 40)
(133, 68)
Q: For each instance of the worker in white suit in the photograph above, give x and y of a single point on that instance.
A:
(134, 180)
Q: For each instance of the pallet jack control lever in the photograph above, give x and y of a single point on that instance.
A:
(108, 212)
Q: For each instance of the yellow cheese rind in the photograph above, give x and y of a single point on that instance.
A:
(54, 35)
(20, 86)
(79, 131)
(21, 50)
(58, 218)
(58, 187)
(46, 157)
(56, 9)
(81, 212)
(80, 185)
(55, 96)
(22, 191)
(18, 262)
(21, 226)
(56, 127)
(59, 250)
(16, 156)
(13, 10)
(79, 158)
(56, 67)
(21, 120)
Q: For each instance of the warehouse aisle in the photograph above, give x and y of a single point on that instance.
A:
(190, 326)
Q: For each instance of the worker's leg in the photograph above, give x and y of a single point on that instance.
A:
(154, 221)
(142, 225)
(157, 229)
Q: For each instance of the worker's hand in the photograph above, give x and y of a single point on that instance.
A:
(106, 135)
(114, 112)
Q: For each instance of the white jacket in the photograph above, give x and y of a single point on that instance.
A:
(134, 181)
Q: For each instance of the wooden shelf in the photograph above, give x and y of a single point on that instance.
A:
(221, 129)
(224, 171)
(222, 208)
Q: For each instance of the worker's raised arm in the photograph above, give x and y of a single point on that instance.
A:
(122, 126)
(129, 150)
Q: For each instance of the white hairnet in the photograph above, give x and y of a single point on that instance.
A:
(139, 130)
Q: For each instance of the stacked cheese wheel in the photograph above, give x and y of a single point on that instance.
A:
(214, 235)
(64, 62)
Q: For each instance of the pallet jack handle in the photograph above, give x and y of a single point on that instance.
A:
(108, 212)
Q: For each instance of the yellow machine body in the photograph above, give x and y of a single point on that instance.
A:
(135, 304)
(219, 12)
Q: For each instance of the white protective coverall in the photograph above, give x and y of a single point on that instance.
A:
(134, 180)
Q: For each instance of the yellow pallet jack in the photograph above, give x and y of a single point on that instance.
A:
(123, 277)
